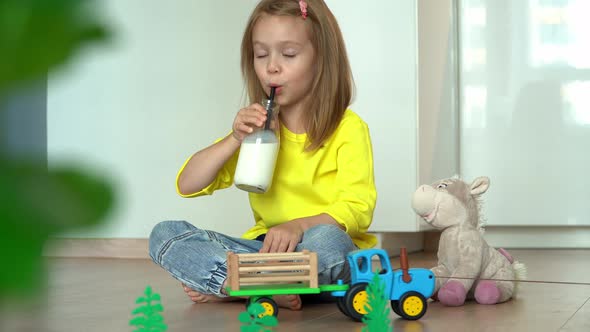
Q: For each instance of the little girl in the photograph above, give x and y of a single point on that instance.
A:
(323, 194)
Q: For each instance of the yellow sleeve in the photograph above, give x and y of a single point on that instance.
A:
(356, 197)
(224, 178)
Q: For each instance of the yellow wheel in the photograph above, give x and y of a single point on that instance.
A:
(412, 305)
(359, 301)
(355, 301)
(270, 307)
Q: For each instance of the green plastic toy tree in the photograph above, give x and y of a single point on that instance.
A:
(252, 320)
(150, 319)
(377, 317)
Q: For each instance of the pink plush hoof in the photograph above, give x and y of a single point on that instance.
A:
(487, 292)
(452, 294)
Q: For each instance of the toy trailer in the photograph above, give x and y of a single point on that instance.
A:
(260, 276)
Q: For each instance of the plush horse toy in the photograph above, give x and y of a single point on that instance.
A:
(468, 268)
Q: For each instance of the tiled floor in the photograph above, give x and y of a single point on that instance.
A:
(98, 295)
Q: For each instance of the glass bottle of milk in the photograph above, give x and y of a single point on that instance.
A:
(258, 154)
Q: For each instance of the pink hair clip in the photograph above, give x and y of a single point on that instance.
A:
(303, 6)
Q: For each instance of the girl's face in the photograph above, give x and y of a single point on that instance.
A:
(284, 57)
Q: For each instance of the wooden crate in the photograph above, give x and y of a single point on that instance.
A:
(272, 268)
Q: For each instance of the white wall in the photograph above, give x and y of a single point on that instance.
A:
(166, 88)
(138, 107)
(168, 85)
(381, 38)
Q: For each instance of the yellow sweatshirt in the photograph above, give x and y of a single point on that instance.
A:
(336, 179)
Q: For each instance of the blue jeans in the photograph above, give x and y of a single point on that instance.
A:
(198, 259)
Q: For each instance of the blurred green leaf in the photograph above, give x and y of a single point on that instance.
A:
(36, 203)
(252, 320)
(244, 317)
(269, 321)
(38, 35)
(255, 309)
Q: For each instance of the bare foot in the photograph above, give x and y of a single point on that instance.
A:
(291, 302)
(204, 298)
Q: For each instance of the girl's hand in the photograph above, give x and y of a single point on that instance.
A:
(283, 238)
(248, 119)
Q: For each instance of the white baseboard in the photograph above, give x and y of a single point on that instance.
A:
(97, 248)
(138, 248)
(529, 237)
(504, 236)
(392, 242)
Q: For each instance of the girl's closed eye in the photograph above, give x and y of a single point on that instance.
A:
(290, 53)
(260, 52)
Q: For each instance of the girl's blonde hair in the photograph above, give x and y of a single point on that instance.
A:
(332, 88)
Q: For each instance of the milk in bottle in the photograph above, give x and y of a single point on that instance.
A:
(258, 154)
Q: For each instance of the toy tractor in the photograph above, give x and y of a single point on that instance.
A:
(261, 276)
(407, 288)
